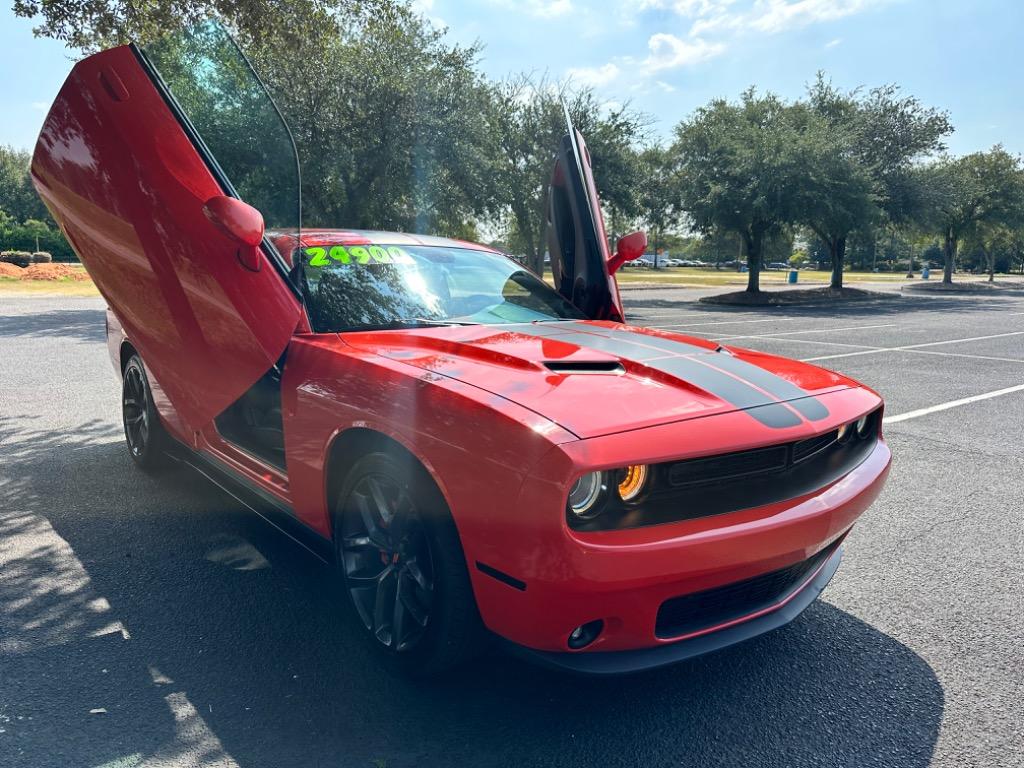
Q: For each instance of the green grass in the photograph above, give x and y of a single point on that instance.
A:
(63, 287)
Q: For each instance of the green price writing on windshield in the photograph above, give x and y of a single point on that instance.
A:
(357, 254)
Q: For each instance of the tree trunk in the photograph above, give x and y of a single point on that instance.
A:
(837, 250)
(753, 244)
(949, 251)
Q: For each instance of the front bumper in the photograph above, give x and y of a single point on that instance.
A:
(640, 659)
(564, 579)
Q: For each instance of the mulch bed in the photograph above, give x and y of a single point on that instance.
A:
(787, 298)
(964, 287)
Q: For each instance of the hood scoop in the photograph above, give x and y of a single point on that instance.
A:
(584, 366)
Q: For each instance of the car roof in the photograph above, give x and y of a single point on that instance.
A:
(285, 240)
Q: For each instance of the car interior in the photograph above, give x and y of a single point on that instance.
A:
(253, 422)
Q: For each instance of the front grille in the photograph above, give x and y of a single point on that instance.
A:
(691, 613)
(804, 449)
(727, 466)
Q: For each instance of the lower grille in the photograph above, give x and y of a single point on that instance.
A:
(692, 613)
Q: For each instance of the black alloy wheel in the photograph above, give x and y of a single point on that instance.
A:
(403, 566)
(134, 401)
(388, 564)
(143, 431)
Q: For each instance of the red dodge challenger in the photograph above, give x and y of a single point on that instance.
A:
(478, 453)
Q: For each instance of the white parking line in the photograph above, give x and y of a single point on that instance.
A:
(800, 333)
(720, 322)
(951, 404)
(876, 350)
(964, 354)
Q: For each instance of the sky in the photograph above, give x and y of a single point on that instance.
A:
(668, 57)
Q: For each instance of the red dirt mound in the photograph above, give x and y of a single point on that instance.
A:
(10, 270)
(53, 272)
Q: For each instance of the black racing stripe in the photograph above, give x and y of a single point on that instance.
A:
(808, 406)
(634, 338)
(721, 375)
(774, 415)
(617, 347)
(732, 390)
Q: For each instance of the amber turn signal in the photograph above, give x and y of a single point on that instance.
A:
(633, 482)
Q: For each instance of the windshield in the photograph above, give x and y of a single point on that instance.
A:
(367, 287)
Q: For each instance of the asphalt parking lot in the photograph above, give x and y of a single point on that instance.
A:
(153, 622)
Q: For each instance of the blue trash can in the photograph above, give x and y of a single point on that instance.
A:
(925, 273)
(792, 277)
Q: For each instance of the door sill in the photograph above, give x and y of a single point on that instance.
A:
(272, 509)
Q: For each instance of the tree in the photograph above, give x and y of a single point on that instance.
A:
(983, 188)
(739, 171)
(390, 124)
(91, 25)
(997, 242)
(17, 195)
(861, 148)
(656, 193)
(528, 121)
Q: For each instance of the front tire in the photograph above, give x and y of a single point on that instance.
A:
(403, 566)
(144, 434)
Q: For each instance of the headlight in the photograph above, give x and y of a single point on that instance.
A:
(845, 432)
(633, 482)
(586, 495)
(862, 426)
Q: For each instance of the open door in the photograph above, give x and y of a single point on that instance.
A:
(134, 148)
(576, 238)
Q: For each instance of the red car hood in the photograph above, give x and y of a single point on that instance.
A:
(597, 378)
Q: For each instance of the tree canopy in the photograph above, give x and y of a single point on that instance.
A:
(740, 170)
(527, 121)
(397, 128)
(965, 193)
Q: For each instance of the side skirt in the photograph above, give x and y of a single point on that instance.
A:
(278, 514)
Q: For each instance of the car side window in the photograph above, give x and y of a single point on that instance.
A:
(234, 117)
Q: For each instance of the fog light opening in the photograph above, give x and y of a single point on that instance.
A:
(585, 634)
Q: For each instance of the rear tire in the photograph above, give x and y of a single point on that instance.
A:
(403, 567)
(144, 434)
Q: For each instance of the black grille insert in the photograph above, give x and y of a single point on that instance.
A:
(804, 449)
(729, 465)
(714, 485)
(691, 613)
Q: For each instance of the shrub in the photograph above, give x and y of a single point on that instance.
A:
(21, 258)
(42, 257)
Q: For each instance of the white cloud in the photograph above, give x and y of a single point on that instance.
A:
(670, 52)
(546, 9)
(40, 106)
(833, 43)
(710, 17)
(664, 86)
(594, 76)
(425, 9)
(688, 8)
(777, 15)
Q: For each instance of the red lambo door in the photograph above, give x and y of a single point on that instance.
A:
(576, 238)
(135, 145)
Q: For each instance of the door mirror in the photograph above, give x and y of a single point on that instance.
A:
(629, 247)
(239, 221)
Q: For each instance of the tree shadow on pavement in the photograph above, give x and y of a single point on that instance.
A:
(229, 645)
(79, 324)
